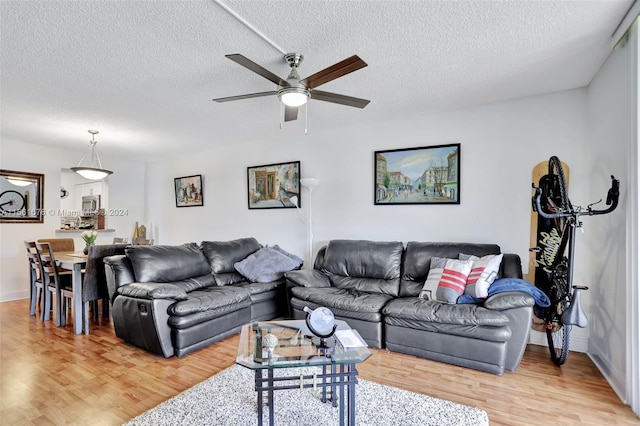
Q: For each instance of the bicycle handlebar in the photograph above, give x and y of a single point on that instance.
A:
(612, 201)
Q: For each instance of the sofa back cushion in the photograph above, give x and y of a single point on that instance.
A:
(369, 266)
(417, 260)
(165, 264)
(222, 255)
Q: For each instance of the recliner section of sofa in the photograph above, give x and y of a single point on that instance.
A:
(173, 300)
(375, 287)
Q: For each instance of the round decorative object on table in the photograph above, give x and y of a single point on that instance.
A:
(270, 341)
(85, 250)
(321, 322)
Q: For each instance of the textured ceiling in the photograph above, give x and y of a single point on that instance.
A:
(143, 73)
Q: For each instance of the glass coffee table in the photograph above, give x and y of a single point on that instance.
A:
(266, 346)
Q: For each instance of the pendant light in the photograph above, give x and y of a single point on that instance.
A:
(95, 171)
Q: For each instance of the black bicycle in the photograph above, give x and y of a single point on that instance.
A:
(554, 256)
(11, 203)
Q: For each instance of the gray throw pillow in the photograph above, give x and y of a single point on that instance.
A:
(266, 265)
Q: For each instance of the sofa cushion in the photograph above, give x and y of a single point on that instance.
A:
(417, 260)
(183, 322)
(493, 334)
(222, 255)
(417, 309)
(209, 298)
(195, 283)
(343, 299)
(164, 264)
(368, 266)
(261, 291)
(266, 265)
(484, 271)
(153, 291)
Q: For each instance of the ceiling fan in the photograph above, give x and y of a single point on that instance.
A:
(294, 91)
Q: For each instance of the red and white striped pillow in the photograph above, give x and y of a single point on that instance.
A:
(454, 280)
(446, 280)
(483, 272)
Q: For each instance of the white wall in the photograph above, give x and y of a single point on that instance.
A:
(611, 123)
(126, 192)
(500, 145)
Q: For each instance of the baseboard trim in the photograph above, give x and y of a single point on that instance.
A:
(14, 295)
(615, 380)
(576, 343)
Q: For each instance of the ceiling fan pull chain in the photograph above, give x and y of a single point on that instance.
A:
(281, 115)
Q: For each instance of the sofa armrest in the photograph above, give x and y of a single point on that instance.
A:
(511, 266)
(307, 278)
(509, 300)
(153, 291)
(118, 272)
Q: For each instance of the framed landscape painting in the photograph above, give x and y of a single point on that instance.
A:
(189, 191)
(274, 186)
(425, 175)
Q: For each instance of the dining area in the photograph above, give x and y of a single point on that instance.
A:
(69, 283)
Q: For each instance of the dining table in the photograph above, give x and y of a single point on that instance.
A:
(76, 262)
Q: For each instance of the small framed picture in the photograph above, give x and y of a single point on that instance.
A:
(425, 175)
(274, 186)
(189, 191)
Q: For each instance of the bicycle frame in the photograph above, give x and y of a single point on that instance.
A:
(565, 309)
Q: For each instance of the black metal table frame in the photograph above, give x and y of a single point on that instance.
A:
(341, 376)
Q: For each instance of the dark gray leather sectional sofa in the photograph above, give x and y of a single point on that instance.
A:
(173, 300)
(374, 287)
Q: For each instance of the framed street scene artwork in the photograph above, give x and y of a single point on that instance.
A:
(274, 186)
(189, 191)
(425, 175)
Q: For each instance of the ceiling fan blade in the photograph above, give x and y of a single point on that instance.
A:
(339, 99)
(344, 67)
(290, 113)
(247, 96)
(249, 64)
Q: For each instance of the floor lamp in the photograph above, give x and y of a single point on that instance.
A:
(310, 184)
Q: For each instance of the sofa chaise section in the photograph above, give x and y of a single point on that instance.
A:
(173, 300)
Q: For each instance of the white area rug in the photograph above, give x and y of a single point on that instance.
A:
(229, 398)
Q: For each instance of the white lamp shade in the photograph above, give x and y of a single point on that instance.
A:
(91, 173)
(310, 183)
(19, 182)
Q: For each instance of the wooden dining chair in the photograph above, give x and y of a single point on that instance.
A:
(59, 245)
(142, 242)
(55, 284)
(94, 284)
(36, 288)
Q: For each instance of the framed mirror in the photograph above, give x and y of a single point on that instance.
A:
(21, 197)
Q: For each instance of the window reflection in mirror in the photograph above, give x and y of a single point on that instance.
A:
(21, 197)
(82, 201)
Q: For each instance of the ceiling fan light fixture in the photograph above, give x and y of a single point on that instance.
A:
(95, 171)
(293, 96)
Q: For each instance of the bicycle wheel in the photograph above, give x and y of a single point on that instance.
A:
(557, 332)
(11, 202)
(557, 190)
(558, 340)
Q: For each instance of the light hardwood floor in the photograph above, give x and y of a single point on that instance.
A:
(49, 376)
